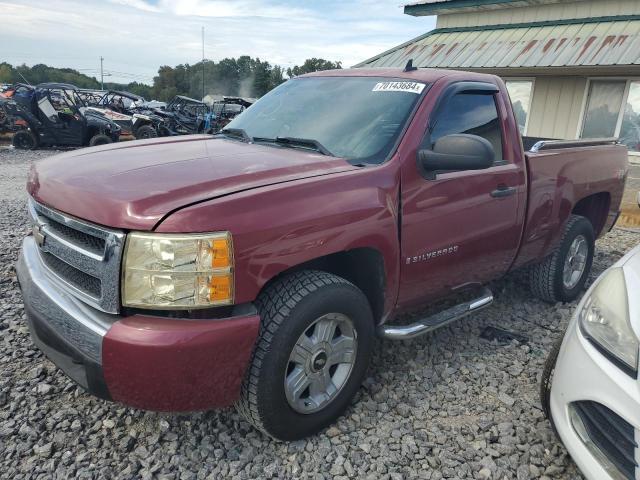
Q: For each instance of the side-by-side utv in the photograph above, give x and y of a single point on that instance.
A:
(9, 95)
(126, 109)
(184, 116)
(53, 114)
(227, 109)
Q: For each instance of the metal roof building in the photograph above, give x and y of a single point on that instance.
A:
(572, 67)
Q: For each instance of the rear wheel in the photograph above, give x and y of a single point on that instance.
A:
(99, 139)
(146, 131)
(25, 140)
(562, 275)
(311, 356)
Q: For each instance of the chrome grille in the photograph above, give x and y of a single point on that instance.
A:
(83, 240)
(75, 277)
(84, 257)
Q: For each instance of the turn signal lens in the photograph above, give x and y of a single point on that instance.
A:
(220, 253)
(220, 288)
(167, 271)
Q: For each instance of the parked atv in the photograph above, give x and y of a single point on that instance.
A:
(185, 116)
(54, 115)
(227, 109)
(91, 98)
(5, 119)
(126, 110)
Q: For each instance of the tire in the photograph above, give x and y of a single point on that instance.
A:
(146, 131)
(99, 139)
(25, 140)
(547, 381)
(547, 280)
(290, 308)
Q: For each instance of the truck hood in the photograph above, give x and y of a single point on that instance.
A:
(133, 185)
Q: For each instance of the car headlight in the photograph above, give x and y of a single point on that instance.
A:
(171, 271)
(605, 320)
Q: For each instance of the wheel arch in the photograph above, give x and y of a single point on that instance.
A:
(594, 208)
(93, 130)
(363, 266)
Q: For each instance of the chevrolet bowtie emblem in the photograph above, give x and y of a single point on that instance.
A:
(38, 234)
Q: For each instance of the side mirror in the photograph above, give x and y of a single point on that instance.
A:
(456, 152)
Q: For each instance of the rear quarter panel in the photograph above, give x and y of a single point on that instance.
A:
(558, 180)
(281, 226)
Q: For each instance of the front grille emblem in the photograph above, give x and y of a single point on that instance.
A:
(38, 234)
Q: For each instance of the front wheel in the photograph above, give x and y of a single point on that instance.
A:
(25, 140)
(562, 275)
(99, 139)
(145, 132)
(313, 350)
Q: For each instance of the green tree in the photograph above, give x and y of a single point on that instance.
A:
(313, 65)
(277, 76)
(6, 73)
(137, 88)
(243, 76)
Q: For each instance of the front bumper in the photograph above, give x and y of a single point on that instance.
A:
(147, 362)
(584, 376)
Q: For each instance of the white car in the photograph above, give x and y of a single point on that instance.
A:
(590, 387)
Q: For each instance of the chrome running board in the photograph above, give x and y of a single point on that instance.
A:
(440, 319)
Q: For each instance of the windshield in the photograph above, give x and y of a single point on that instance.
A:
(357, 118)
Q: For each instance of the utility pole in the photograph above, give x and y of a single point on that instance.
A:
(203, 63)
(101, 74)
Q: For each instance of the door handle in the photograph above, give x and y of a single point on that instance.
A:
(503, 191)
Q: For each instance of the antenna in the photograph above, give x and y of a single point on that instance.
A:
(409, 66)
(203, 63)
(25, 80)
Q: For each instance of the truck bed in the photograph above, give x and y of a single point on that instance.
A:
(565, 177)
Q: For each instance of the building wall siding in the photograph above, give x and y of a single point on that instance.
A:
(561, 11)
(556, 107)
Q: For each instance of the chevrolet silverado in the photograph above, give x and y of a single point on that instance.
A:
(257, 266)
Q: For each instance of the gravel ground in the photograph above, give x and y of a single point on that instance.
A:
(448, 405)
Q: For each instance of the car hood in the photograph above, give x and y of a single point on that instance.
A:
(133, 185)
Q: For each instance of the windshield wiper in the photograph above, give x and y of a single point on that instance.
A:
(237, 133)
(308, 143)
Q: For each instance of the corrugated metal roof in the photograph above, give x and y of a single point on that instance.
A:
(433, 7)
(533, 45)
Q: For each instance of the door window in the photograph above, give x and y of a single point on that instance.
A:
(47, 109)
(471, 113)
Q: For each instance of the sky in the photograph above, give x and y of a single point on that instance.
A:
(135, 37)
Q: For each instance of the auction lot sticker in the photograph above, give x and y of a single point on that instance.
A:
(410, 87)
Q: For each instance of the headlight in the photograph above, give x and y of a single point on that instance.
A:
(605, 320)
(168, 271)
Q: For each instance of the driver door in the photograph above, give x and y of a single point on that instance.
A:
(461, 228)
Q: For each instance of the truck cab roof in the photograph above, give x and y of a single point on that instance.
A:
(426, 75)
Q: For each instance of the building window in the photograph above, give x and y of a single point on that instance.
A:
(604, 102)
(630, 129)
(520, 93)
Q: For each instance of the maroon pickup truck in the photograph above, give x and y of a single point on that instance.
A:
(257, 266)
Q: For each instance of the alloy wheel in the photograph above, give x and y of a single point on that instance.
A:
(575, 263)
(320, 363)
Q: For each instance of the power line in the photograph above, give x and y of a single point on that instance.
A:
(115, 73)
